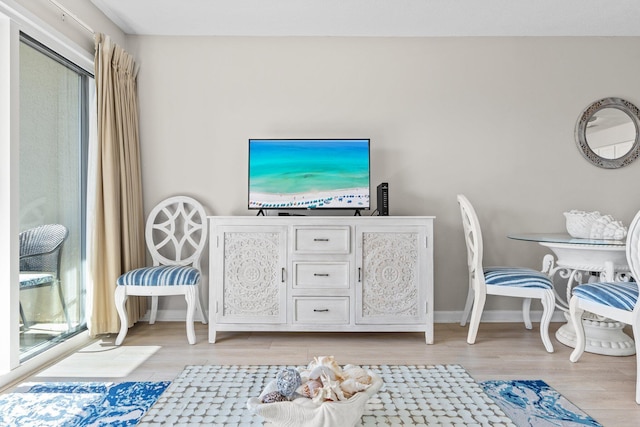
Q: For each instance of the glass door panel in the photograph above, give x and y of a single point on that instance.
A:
(53, 135)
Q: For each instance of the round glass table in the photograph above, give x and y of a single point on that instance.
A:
(580, 261)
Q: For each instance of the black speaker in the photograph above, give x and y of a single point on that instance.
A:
(383, 199)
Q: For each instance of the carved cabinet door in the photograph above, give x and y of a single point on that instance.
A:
(391, 280)
(251, 284)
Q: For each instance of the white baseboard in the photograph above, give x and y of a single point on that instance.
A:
(170, 316)
(497, 316)
(493, 316)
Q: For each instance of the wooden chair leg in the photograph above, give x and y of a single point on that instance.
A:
(548, 305)
(120, 300)
(191, 296)
(205, 320)
(636, 334)
(476, 314)
(467, 307)
(526, 313)
(576, 319)
(154, 309)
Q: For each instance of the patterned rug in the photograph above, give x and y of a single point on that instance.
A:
(79, 404)
(435, 395)
(535, 403)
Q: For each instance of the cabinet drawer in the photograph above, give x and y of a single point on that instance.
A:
(333, 311)
(321, 240)
(324, 275)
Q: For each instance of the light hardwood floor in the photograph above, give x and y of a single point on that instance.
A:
(602, 386)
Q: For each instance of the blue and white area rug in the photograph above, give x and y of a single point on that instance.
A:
(425, 395)
(79, 404)
(535, 403)
(433, 395)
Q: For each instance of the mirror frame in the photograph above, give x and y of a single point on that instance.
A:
(581, 132)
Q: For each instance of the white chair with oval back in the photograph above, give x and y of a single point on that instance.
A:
(614, 300)
(176, 235)
(518, 282)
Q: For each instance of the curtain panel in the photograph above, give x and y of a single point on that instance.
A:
(116, 242)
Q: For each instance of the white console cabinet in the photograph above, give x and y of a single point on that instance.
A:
(318, 273)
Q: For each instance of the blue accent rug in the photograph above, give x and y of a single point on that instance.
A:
(534, 403)
(79, 404)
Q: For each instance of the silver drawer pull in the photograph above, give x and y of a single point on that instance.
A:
(321, 274)
(320, 240)
(320, 310)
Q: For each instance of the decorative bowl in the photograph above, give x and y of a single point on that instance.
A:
(593, 225)
(579, 223)
(305, 412)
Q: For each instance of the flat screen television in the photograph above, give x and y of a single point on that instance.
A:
(309, 174)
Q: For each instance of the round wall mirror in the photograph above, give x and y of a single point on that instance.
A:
(608, 133)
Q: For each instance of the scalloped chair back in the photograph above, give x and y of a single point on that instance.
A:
(176, 235)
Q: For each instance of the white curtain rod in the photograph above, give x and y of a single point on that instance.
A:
(66, 12)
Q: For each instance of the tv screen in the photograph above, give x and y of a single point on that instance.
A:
(309, 173)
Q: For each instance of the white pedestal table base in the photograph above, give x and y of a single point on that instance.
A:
(603, 337)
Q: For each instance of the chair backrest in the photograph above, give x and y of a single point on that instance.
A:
(473, 240)
(633, 252)
(41, 248)
(176, 232)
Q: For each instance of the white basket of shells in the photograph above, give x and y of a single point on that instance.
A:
(321, 395)
(593, 225)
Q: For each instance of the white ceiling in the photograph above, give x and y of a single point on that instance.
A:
(403, 18)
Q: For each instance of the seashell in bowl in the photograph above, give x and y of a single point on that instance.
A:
(606, 228)
(579, 223)
(593, 225)
(309, 413)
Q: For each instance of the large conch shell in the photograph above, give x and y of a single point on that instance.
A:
(593, 225)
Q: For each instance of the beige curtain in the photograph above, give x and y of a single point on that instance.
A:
(117, 241)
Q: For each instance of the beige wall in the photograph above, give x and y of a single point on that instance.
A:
(492, 118)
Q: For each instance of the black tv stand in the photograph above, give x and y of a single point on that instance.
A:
(260, 212)
(357, 213)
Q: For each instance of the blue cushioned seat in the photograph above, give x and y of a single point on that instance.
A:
(517, 277)
(621, 295)
(164, 275)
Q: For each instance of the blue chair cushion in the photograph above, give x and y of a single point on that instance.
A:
(516, 276)
(622, 295)
(164, 275)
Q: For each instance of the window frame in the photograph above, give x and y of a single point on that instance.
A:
(15, 19)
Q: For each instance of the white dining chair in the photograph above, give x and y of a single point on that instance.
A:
(525, 283)
(176, 234)
(613, 300)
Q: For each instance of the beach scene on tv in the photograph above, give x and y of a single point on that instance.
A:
(309, 174)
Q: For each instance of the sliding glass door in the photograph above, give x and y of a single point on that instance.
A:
(54, 106)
